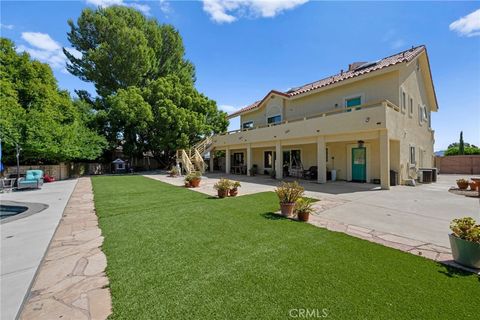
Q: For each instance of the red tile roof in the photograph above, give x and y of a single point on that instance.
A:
(404, 56)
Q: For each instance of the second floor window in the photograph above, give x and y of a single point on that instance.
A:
(274, 119)
(404, 101)
(353, 102)
(412, 155)
(247, 125)
(410, 106)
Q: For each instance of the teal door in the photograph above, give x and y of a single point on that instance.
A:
(359, 164)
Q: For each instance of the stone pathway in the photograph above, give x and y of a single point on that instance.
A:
(71, 282)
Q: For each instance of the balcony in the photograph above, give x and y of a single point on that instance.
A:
(366, 117)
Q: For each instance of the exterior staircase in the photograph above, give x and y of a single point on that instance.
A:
(192, 159)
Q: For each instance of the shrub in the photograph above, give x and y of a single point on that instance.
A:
(236, 184)
(223, 184)
(289, 192)
(303, 205)
(462, 181)
(174, 171)
(466, 229)
(193, 176)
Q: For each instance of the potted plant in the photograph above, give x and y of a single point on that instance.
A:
(174, 172)
(303, 208)
(288, 193)
(473, 185)
(222, 186)
(465, 242)
(193, 179)
(462, 184)
(234, 188)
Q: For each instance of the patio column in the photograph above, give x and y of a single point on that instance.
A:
(212, 153)
(227, 160)
(279, 160)
(321, 160)
(384, 160)
(249, 159)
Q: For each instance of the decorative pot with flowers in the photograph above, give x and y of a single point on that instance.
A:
(223, 186)
(174, 172)
(288, 193)
(193, 179)
(303, 208)
(465, 242)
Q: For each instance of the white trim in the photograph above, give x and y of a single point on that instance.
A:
(271, 116)
(367, 156)
(361, 95)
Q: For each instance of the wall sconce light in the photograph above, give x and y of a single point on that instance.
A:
(287, 131)
(367, 119)
(360, 143)
(318, 130)
(379, 123)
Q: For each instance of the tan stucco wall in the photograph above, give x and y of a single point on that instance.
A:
(381, 87)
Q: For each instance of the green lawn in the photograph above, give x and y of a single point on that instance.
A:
(177, 254)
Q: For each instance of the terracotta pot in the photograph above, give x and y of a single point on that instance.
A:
(303, 216)
(473, 186)
(287, 209)
(195, 182)
(222, 193)
(233, 192)
(462, 185)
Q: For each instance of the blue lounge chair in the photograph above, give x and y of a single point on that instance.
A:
(33, 179)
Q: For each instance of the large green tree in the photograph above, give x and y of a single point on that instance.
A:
(146, 100)
(37, 115)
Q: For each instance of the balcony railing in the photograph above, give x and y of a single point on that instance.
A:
(382, 103)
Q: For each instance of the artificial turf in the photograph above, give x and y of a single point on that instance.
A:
(173, 253)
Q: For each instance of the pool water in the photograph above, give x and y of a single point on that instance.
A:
(8, 211)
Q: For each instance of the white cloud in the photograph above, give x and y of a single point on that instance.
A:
(6, 26)
(397, 44)
(105, 3)
(144, 8)
(44, 49)
(227, 11)
(228, 108)
(41, 41)
(468, 25)
(165, 6)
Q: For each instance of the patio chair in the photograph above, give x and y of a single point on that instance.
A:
(311, 173)
(33, 179)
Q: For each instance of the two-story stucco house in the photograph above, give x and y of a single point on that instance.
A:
(360, 124)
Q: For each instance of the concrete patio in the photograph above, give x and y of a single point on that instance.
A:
(25, 241)
(421, 214)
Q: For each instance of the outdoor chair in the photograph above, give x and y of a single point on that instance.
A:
(311, 173)
(33, 180)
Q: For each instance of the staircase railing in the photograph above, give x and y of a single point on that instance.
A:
(192, 159)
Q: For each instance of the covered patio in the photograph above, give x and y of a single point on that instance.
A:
(364, 157)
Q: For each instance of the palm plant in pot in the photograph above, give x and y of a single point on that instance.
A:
(303, 208)
(222, 186)
(288, 193)
(465, 242)
(234, 188)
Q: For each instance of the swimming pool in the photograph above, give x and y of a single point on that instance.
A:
(12, 210)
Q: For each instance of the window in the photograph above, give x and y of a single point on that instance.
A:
(404, 101)
(422, 114)
(274, 119)
(326, 154)
(295, 158)
(238, 159)
(412, 155)
(353, 101)
(410, 106)
(247, 125)
(268, 159)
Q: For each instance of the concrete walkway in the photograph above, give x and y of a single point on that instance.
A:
(25, 241)
(71, 283)
(412, 219)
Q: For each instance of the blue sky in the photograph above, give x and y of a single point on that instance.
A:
(242, 49)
